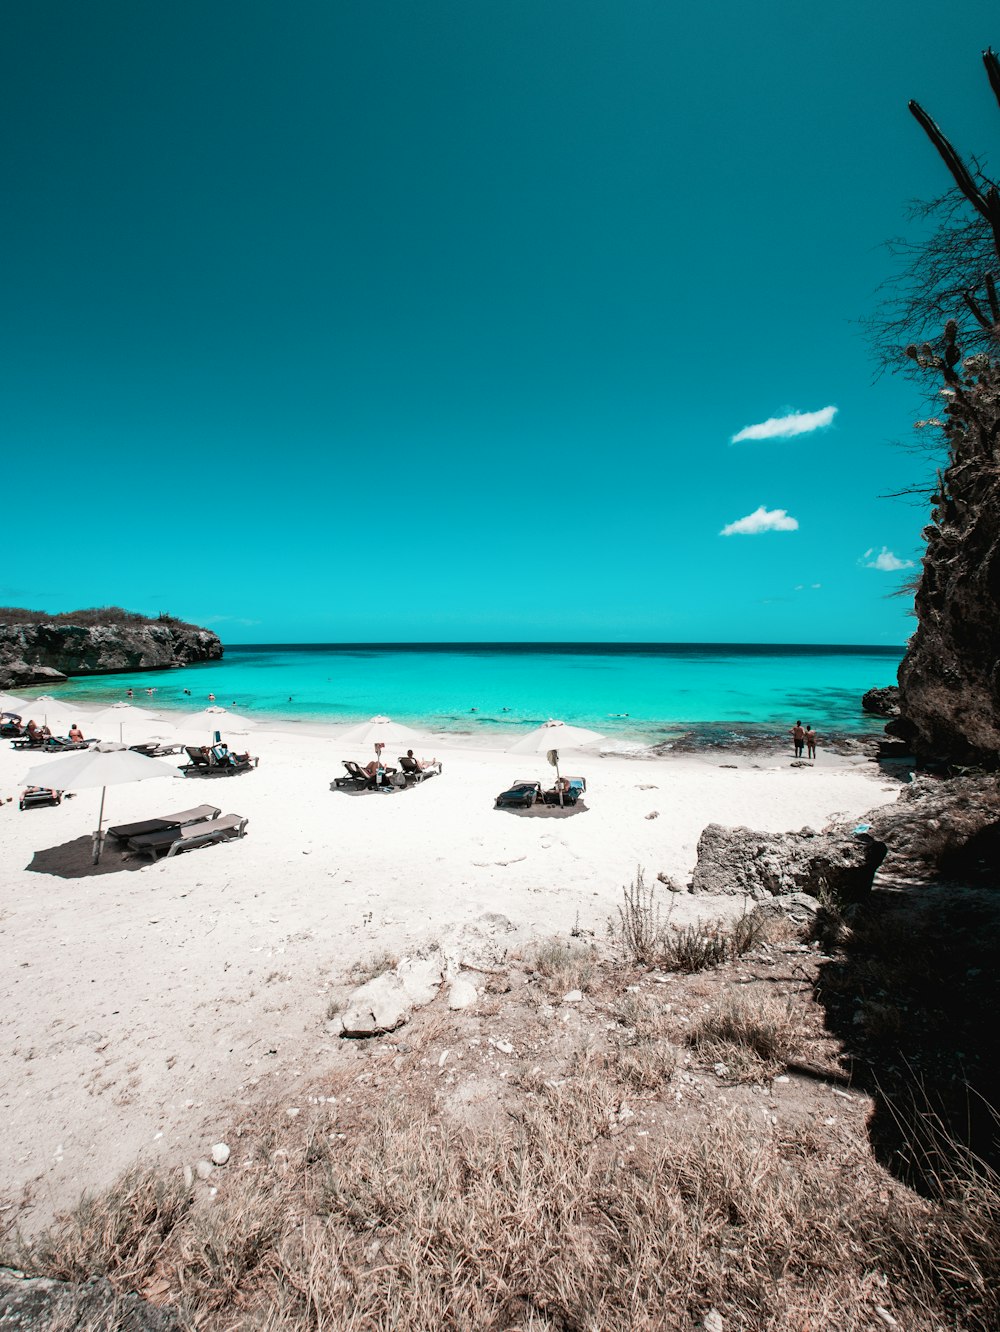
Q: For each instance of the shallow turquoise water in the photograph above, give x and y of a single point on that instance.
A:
(663, 689)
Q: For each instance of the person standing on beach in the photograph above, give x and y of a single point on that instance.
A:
(810, 738)
(798, 738)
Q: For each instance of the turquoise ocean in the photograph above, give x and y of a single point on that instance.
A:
(685, 694)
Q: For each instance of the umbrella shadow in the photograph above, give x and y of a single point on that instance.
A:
(74, 860)
(540, 811)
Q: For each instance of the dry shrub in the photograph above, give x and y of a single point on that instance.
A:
(644, 1058)
(565, 966)
(646, 937)
(753, 1034)
(375, 965)
(550, 1222)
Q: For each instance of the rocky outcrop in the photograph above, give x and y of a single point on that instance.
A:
(33, 653)
(741, 861)
(28, 1304)
(944, 829)
(882, 702)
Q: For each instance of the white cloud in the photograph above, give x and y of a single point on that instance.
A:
(761, 520)
(884, 560)
(784, 427)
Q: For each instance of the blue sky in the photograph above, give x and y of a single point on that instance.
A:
(391, 321)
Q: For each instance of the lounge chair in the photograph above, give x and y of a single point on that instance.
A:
(62, 744)
(412, 770)
(522, 794)
(206, 763)
(122, 832)
(357, 779)
(33, 796)
(27, 741)
(171, 841)
(10, 726)
(570, 795)
(154, 749)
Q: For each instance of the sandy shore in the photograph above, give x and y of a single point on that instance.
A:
(140, 1001)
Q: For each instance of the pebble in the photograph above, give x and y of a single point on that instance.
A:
(573, 997)
(504, 1047)
(712, 1322)
(188, 1177)
(204, 1169)
(220, 1153)
(292, 1110)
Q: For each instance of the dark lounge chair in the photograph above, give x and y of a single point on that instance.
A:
(207, 762)
(154, 749)
(10, 725)
(357, 779)
(35, 796)
(522, 795)
(412, 770)
(570, 795)
(122, 832)
(62, 744)
(171, 841)
(26, 741)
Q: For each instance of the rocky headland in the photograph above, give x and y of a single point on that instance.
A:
(37, 649)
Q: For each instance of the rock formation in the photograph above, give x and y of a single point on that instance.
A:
(34, 652)
(882, 702)
(765, 865)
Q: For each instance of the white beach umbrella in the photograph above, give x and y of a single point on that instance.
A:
(8, 703)
(381, 731)
(216, 719)
(50, 712)
(104, 765)
(551, 737)
(120, 715)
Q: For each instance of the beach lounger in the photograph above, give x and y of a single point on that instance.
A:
(27, 742)
(200, 814)
(171, 841)
(412, 770)
(61, 744)
(356, 780)
(153, 749)
(205, 764)
(522, 794)
(577, 786)
(36, 796)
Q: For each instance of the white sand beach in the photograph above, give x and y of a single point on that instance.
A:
(141, 1000)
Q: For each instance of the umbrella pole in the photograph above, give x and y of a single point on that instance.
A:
(98, 838)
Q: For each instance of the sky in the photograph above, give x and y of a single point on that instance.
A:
(462, 321)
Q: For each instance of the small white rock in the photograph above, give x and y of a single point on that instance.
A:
(292, 1111)
(504, 1047)
(461, 993)
(204, 1169)
(188, 1177)
(220, 1153)
(573, 997)
(712, 1322)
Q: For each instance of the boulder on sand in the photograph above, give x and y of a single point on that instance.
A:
(743, 862)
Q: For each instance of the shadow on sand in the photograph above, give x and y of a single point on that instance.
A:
(539, 811)
(912, 993)
(74, 860)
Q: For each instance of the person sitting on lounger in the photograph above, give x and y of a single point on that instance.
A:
(45, 733)
(425, 765)
(75, 733)
(32, 732)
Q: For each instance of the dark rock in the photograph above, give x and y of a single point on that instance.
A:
(30, 1304)
(883, 702)
(763, 865)
(945, 829)
(33, 653)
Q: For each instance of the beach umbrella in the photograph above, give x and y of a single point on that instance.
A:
(8, 703)
(381, 731)
(551, 737)
(104, 765)
(216, 719)
(118, 714)
(50, 712)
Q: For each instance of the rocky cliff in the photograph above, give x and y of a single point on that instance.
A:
(42, 652)
(949, 681)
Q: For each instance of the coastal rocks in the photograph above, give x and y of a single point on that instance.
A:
(741, 861)
(461, 993)
(944, 828)
(385, 1003)
(31, 653)
(30, 1303)
(882, 702)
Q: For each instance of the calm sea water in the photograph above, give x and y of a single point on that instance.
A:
(648, 692)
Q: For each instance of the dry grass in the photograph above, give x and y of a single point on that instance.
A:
(753, 1034)
(370, 967)
(644, 935)
(565, 966)
(543, 1224)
